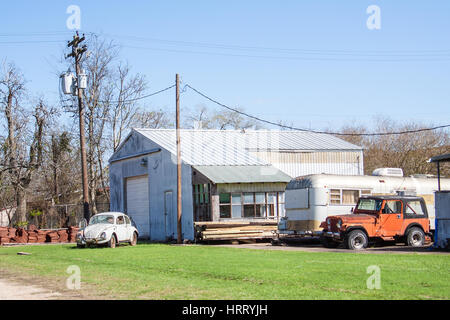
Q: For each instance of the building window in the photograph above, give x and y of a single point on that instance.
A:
(346, 196)
(225, 205)
(251, 205)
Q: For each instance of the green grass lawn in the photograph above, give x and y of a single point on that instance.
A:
(154, 271)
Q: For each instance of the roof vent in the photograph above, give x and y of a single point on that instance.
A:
(388, 172)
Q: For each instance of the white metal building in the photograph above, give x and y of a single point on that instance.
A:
(225, 174)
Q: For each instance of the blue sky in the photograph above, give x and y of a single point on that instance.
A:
(322, 69)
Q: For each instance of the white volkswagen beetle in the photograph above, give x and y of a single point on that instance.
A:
(110, 228)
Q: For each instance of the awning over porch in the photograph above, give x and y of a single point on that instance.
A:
(243, 174)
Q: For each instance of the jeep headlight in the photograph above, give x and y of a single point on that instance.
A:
(328, 221)
(339, 224)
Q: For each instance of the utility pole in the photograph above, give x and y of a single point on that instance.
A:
(77, 53)
(177, 80)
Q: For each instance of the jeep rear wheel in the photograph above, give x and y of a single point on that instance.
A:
(415, 237)
(356, 240)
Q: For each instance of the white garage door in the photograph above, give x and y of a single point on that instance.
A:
(137, 203)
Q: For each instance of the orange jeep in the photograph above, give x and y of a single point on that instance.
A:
(398, 218)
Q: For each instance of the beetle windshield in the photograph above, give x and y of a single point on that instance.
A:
(369, 204)
(102, 219)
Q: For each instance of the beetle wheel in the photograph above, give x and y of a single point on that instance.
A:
(133, 241)
(112, 242)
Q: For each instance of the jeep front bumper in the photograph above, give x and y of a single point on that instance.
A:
(333, 235)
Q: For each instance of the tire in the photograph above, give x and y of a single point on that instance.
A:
(356, 240)
(133, 241)
(415, 237)
(81, 246)
(112, 242)
(328, 243)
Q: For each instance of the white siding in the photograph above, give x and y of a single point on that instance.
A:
(297, 164)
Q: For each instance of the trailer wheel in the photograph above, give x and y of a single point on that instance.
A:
(356, 240)
(415, 237)
(327, 242)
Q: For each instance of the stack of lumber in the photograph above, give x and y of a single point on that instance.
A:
(239, 230)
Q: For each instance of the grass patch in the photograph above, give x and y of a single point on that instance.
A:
(156, 271)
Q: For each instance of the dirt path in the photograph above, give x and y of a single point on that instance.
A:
(16, 285)
(14, 291)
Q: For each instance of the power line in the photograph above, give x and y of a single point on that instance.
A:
(303, 51)
(309, 130)
(441, 55)
(139, 98)
(433, 58)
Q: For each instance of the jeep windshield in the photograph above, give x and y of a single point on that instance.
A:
(373, 205)
(105, 219)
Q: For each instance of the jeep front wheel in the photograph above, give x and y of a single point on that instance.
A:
(356, 240)
(415, 237)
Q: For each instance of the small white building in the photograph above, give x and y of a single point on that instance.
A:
(226, 174)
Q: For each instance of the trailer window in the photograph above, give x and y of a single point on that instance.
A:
(335, 196)
(350, 196)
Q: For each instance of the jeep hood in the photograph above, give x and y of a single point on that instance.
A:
(356, 218)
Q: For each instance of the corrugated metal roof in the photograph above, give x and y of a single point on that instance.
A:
(231, 147)
(207, 148)
(243, 174)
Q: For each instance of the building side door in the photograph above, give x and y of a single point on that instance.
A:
(169, 215)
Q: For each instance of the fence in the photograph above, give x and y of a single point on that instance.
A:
(60, 215)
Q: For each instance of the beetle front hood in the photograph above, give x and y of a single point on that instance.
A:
(94, 231)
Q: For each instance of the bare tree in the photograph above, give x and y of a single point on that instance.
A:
(202, 117)
(408, 151)
(111, 102)
(23, 148)
(152, 119)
